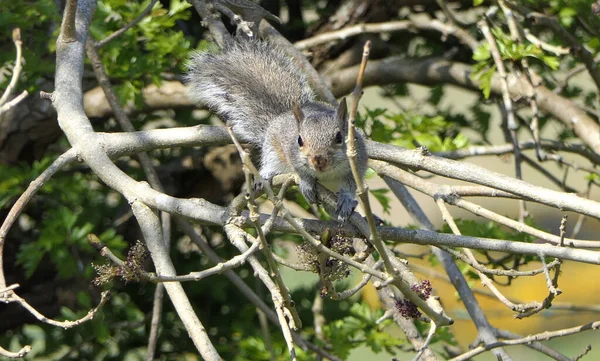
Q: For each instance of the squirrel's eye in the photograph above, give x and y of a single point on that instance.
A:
(300, 141)
(339, 138)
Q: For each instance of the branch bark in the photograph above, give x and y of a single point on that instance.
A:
(435, 71)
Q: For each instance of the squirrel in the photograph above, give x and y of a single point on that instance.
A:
(260, 92)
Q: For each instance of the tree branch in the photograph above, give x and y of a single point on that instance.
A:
(436, 71)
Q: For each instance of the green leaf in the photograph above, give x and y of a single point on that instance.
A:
(567, 12)
(37, 336)
(482, 53)
(178, 6)
(435, 95)
(379, 341)
(384, 200)
(29, 256)
(485, 81)
(551, 61)
(593, 177)
(460, 141)
(68, 314)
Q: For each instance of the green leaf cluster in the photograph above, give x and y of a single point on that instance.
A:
(144, 52)
(360, 328)
(510, 50)
(33, 18)
(64, 225)
(412, 130)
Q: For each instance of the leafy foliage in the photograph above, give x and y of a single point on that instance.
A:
(412, 130)
(33, 18)
(510, 50)
(154, 35)
(360, 327)
(381, 196)
(63, 227)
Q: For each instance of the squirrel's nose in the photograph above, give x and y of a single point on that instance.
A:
(319, 162)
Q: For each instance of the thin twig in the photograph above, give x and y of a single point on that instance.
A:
(551, 282)
(7, 106)
(551, 48)
(16, 37)
(119, 32)
(19, 354)
(352, 291)
(447, 193)
(318, 318)
(553, 145)
(361, 189)
(237, 281)
(219, 268)
(64, 159)
(499, 272)
(425, 346)
(236, 237)
(63, 324)
(507, 105)
(584, 352)
(295, 322)
(392, 26)
(157, 304)
(544, 336)
(9, 288)
(537, 346)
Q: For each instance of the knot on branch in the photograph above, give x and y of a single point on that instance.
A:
(424, 151)
(447, 194)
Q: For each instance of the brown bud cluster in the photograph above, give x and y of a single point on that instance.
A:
(422, 289)
(131, 270)
(408, 309)
(335, 269)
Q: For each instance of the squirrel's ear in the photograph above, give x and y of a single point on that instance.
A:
(342, 110)
(298, 114)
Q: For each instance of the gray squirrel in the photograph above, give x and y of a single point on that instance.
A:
(260, 92)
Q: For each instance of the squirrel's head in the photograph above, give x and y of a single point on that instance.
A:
(321, 136)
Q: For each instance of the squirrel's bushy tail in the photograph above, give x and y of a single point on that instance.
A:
(247, 84)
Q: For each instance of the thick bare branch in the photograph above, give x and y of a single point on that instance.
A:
(151, 229)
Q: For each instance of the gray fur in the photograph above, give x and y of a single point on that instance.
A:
(254, 86)
(248, 80)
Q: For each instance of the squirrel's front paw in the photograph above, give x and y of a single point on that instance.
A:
(258, 185)
(345, 206)
(308, 190)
